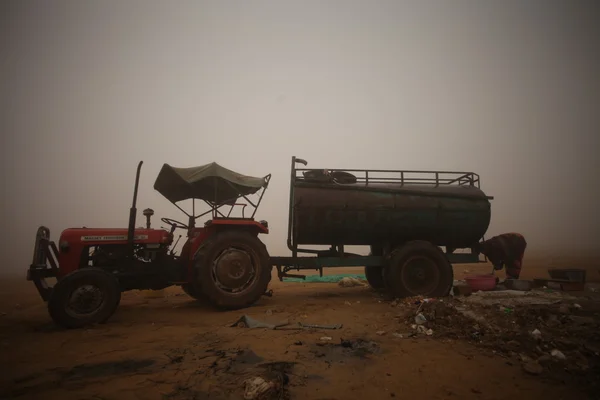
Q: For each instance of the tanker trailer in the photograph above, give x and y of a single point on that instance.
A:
(405, 217)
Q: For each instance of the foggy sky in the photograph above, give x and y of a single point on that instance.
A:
(508, 89)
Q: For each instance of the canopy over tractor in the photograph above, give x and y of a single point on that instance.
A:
(212, 183)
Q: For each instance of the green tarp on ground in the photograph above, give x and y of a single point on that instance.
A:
(325, 279)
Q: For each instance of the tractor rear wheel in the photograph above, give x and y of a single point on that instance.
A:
(418, 268)
(84, 297)
(233, 269)
(193, 290)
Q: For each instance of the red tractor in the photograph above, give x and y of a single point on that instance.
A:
(223, 262)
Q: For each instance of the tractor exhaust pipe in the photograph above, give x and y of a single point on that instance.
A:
(133, 212)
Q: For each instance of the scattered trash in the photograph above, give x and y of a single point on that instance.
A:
(314, 326)
(506, 310)
(326, 339)
(380, 333)
(404, 335)
(536, 334)
(564, 309)
(350, 282)
(255, 387)
(576, 305)
(420, 319)
(422, 329)
(518, 284)
(533, 367)
(248, 322)
(269, 312)
(558, 354)
(347, 303)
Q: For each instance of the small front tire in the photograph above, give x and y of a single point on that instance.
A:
(84, 297)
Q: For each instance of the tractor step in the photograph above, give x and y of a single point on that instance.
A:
(281, 274)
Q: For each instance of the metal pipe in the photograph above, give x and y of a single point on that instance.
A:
(133, 212)
(291, 206)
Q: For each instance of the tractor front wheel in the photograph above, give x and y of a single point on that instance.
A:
(233, 269)
(84, 297)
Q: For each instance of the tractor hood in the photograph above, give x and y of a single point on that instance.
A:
(211, 182)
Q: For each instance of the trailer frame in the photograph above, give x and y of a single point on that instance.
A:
(336, 256)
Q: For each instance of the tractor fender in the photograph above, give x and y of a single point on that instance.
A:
(244, 224)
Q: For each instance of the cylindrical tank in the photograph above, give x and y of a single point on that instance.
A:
(330, 214)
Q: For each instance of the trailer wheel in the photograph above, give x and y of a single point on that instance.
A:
(233, 269)
(374, 276)
(193, 290)
(84, 297)
(418, 268)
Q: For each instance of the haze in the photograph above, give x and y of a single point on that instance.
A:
(509, 90)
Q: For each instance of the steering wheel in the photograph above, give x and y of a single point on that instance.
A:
(174, 224)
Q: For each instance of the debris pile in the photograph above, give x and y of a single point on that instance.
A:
(545, 332)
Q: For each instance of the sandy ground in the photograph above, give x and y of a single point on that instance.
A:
(175, 348)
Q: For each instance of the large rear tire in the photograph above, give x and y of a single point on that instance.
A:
(193, 290)
(418, 268)
(233, 269)
(84, 297)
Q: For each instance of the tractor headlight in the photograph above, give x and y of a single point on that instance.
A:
(64, 246)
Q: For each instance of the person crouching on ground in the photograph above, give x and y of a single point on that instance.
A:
(506, 250)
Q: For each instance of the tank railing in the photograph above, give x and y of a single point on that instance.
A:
(407, 177)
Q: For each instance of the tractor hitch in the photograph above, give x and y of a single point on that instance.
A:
(44, 252)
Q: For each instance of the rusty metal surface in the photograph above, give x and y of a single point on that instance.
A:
(458, 191)
(323, 214)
